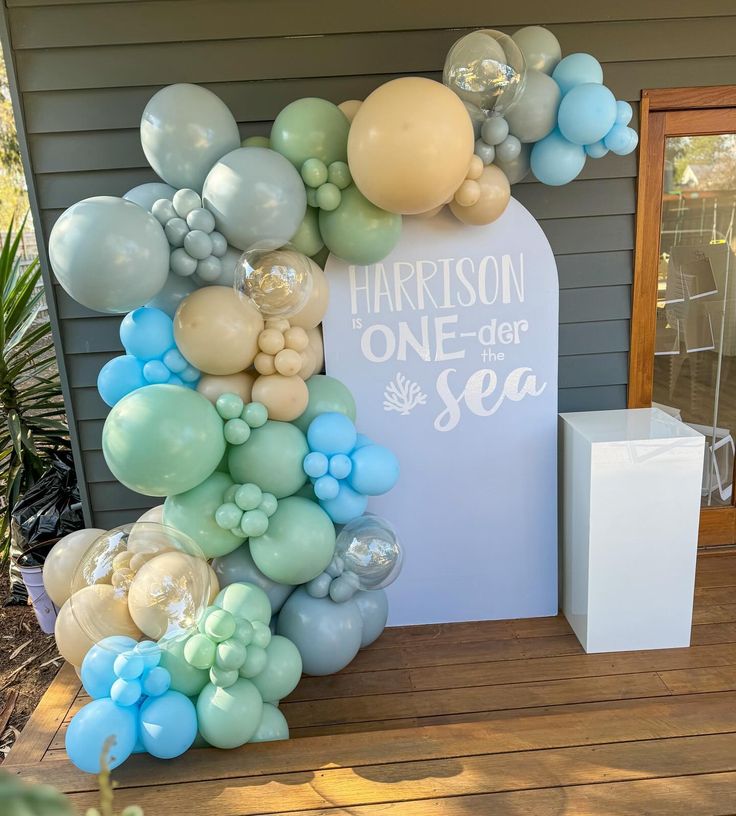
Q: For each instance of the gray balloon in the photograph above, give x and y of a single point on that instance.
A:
(109, 254)
(534, 115)
(327, 634)
(540, 48)
(373, 608)
(518, 168)
(185, 129)
(239, 566)
(145, 194)
(228, 263)
(174, 291)
(256, 196)
(477, 117)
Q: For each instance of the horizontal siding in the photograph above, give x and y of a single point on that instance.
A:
(86, 68)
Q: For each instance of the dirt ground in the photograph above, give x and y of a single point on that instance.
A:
(28, 663)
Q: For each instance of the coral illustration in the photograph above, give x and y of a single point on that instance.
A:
(403, 395)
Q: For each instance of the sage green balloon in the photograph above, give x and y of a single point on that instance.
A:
(311, 128)
(193, 513)
(229, 717)
(273, 725)
(163, 439)
(184, 677)
(307, 238)
(326, 394)
(358, 231)
(243, 600)
(271, 458)
(299, 542)
(283, 670)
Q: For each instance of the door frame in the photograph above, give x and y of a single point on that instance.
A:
(669, 112)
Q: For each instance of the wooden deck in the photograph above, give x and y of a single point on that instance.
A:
(504, 717)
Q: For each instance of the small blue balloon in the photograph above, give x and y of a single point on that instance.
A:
(375, 470)
(92, 726)
(118, 377)
(624, 112)
(147, 333)
(621, 140)
(126, 692)
(156, 681)
(168, 724)
(150, 652)
(340, 466)
(316, 465)
(154, 371)
(97, 671)
(597, 150)
(175, 379)
(346, 506)
(129, 665)
(576, 69)
(555, 161)
(331, 433)
(326, 487)
(174, 360)
(587, 112)
(190, 374)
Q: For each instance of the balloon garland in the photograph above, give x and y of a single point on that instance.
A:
(190, 625)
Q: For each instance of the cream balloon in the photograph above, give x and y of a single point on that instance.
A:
(155, 515)
(91, 614)
(62, 561)
(311, 314)
(431, 213)
(350, 107)
(169, 594)
(217, 330)
(494, 198)
(286, 398)
(213, 386)
(410, 145)
(314, 354)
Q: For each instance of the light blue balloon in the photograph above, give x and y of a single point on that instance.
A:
(587, 112)
(97, 672)
(155, 372)
(555, 161)
(346, 506)
(239, 567)
(316, 464)
(126, 692)
(624, 112)
(168, 724)
(147, 333)
(597, 150)
(331, 433)
(173, 292)
(273, 725)
(576, 69)
(185, 129)
(375, 470)
(92, 726)
(256, 196)
(228, 262)
(621, 140)
(109, 254)
(118, 377)
(373, 608)
(144, 195)
(156, 681)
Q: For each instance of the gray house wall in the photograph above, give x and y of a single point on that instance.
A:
(82, 71)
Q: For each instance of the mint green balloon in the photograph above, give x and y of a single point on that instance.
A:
(273, 725)
(283, 670)
(272, 458)
(307, 238)
(299, 542)
(193, 513)
(229, 717)
(163, 439)
(184, 677)
(311, 128)
(243, 600)
(358, 231)
(326, 394)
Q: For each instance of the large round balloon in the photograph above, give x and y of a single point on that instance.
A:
(494, 198)
(62, 561)
(185, 129)
(327, 634)
(213, 386)
(256, 196)
(577, 69)
(193, 513)
(145, 195)
(282, 672)
(109, 254)
(271, 458)
(358, 231)
(410, 145)
(540, 48)
(298, 545)
(373, 608)
(239, 566)
(273, 725)
(535, 113)
(217, 330)
(91, 729)
(168, 724)
(326, 394)
(311, 128)
(556, 161)
(587, 112)
(163, 439)
(229, 717)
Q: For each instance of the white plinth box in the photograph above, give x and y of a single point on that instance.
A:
(630, 508)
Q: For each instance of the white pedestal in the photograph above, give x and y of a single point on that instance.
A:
(630, 512)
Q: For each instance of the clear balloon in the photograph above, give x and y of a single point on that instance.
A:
(487, 69)
(278, 282)
(371, 550)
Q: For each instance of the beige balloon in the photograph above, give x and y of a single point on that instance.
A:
(62, 561)
(155, 515)
(495, 193)
(217, 330)
(311, 314)
(350, 107)
(410, 145)
(169, 594)
(91, 614)
(285, 397)
(431, 213)
(213, 385)
(317, 345)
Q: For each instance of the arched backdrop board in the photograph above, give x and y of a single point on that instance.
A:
(450, 347)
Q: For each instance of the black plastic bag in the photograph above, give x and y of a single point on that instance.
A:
(49, 510)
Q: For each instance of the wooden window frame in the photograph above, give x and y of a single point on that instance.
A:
(669, 112)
